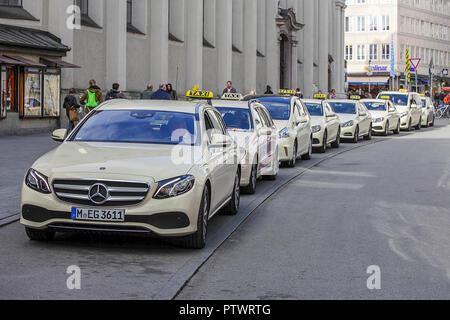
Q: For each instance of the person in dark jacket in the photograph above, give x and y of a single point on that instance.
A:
(229, 88)
(161, 93)
(70, 101)
(147, 93)
(173, 93)
(268, 90)
(115, 93)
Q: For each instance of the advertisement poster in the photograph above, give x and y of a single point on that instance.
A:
(51, 95)
(32, 98)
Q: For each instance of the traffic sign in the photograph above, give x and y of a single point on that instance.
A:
(415, 62)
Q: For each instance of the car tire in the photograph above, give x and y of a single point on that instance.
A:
(232, 208)
(323, 148)
(197, 240)
(251, 188)
(397, 131)
(409, 126)
(386, 130)
(419, 125)
(428, 122)
(292, 163)
(39, 235)
(356, 136)
(336, 143)
(308, 155)
(432, 122)
(369, 135)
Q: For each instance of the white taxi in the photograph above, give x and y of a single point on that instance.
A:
(251, 126)
(408, 104)
(385, 116)
(325, 123)
(427, 112)
(293, 122)
(355, 119)
(150, 167)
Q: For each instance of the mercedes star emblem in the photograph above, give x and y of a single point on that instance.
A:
(98, 193)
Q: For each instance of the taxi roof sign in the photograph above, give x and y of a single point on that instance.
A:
(232, 96)
(286, 92)
(384, 97)
(199, 94)
(355, 97)
(320, 96)
(403, 90)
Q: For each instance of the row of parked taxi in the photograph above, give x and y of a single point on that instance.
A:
(165, 168)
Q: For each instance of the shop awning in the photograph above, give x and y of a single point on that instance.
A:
(26, 62)
(58, 63)
(9, 61)
(376, 80)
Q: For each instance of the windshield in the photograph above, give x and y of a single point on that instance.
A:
(139, 126)
(397, 99)
(344, 107)
(278, 110)
(315, 109)
(236, 118)
(375, 106)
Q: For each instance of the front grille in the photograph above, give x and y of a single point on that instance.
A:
(121, 193)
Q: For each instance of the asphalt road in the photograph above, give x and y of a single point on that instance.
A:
(312, 239)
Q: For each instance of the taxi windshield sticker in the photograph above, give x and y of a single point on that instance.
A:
(285, 92)
(232, 96)
(355, 97)
(199, 94)
(320, 96)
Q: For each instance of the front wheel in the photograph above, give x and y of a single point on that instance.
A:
(198, 239)
(39, 235)
(397, 131)
(419, 125)
(323, 148)
(409, 126)
(293, 161)
(251, 188)
(308, 155)
(369, 135)
(386, 130)
(356, 135)
(232, 207)
(336, 143)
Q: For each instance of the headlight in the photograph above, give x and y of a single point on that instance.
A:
(37, 181)
(174, 187)
(284, 133)
(316, 129)
(348, 124)
(378, 120)
(404, 114)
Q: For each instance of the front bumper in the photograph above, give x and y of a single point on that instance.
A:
(318, 139)
(171, 217)
(379, 127)
(348, 132)
(404, 122)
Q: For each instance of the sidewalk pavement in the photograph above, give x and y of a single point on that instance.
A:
(17, 154)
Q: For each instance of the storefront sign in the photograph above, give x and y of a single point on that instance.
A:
(377, 68)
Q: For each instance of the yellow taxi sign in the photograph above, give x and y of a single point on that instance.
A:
(232, 96)
(321, 96)
(385, 97)
(422, 94)
(286, 92)
(198, 94)
(402, 90)
(355, 97)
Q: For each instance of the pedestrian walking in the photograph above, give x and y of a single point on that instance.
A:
(171, 92)
(161, 93)
(71, 105)
(147, 93)
(92, 97)
(229, 88)
(268, 90)
(115, 93)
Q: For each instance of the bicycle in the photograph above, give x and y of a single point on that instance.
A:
(442, 111)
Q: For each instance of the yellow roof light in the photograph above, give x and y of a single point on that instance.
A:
(355, 97)
(320, 96)
(285, 92)
(385, 97)
(199, 94)
(403, 90)
(232, 96)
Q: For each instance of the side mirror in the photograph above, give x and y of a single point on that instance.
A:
(220, 141)
(59, 135)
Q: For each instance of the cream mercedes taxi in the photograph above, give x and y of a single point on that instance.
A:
(325, 123)
(293, 122)
(427, 112)
(408, 104)
(158, 167)
(355, 119)
(385, 116)
(251, 126)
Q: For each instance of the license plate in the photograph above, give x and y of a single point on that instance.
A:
(98, 215)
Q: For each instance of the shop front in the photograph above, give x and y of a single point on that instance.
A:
(30, 83)
(376, 83)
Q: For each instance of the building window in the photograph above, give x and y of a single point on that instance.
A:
(373, 52)
(361, 27)
(385, 52)
(349, 52)
(86, 20)
(8, 84)
(348, 24)
(373, 23)
(385, 23)
(131, 27)
(361, 52)
(11, 3)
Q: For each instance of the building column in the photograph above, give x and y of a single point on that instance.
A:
(159, 42)
(308, 48)
(116, 43)
(224, 31)
(323, 44)
(342, 49)
(272, 45)
(57, 19)
(336, 48)
(294, 63)
(250, 47)
(194, 44)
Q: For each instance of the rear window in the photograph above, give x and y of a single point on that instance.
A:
(344, 107)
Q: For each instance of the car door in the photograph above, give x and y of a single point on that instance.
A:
(267, 147)
(274, 135)
(364, 123)
(393, 116)
(419, 107)
(304, 127)
(332, 122)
